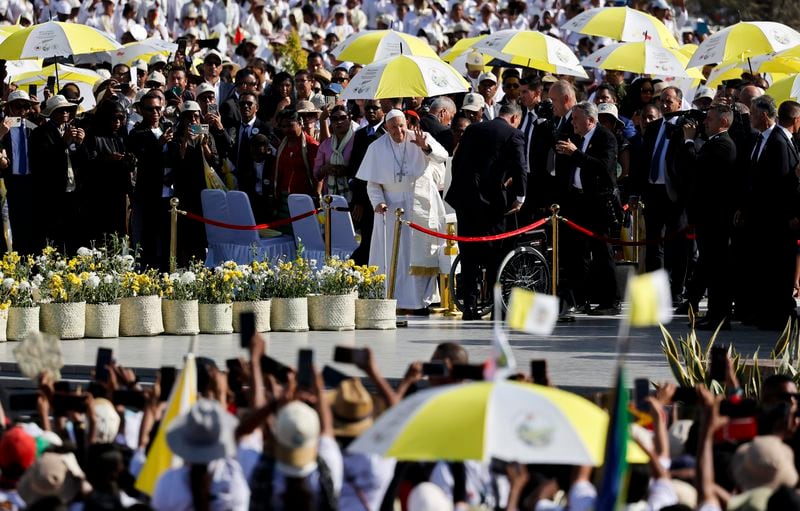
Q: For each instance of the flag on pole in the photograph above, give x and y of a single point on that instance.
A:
(613, 488)
(160, 457)
(649, 299)
(534, 313)
(502, 362)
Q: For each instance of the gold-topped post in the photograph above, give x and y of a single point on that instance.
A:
(173, 233)
(554, 219)
(398, 222)
(327, 200)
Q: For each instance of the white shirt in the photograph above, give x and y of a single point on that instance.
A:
(762, 142)
(576, 177)
(528, 118)
(15, 134)
(229, 488)
(368, 473)
(259, 169)
(662, 160)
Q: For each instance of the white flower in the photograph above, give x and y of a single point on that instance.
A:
(38, 279)
(49, 276)
(24, 285)
(61, 264)
(8, 283)
(108, 279)
(83, 251)
(187, 278)
(93, 281)
(312, 263)
(174, 277)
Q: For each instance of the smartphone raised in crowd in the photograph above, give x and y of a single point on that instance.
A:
(539, 371)
(641, 388)
(435, 368)
(166, 382)
(247, 329)
(345, 355)
(719, 361)
(271, 366)
(51, 84)
(305, 368)
(213, 109)
(104, 357)
(33, 89)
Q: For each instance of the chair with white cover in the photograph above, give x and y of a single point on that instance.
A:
(343, 234)
(215, 207)
(307, 231)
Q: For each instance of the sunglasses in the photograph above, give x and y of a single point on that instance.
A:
(511, 86)
(338, 79)
(372, 107)
(246, 103)
(338, 118)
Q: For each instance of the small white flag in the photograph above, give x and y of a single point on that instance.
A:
(534, 313)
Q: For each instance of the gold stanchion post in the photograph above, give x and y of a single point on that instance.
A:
(450, 249)
(398, 222)
(327, 200)
(173, 233)
(554, 219)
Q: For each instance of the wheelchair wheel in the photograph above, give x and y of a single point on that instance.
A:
(484, 305)
(524, 267)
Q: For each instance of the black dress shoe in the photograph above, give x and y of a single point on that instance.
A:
(710, 324)
(683, 308)
(600, 310)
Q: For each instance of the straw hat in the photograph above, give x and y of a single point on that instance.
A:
(305, 106)
(352, 408)
(764, 461)
(53, 474)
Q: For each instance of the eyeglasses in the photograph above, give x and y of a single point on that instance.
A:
(338, 118)
(338, 79)
(246, 103)
(372, 107)
(249, 84)
(215, 64)
(511, 86)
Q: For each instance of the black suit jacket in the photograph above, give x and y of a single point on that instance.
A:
(150, 157)
(48, 162)
(229, 112)
(774, 182)
(598, 165)
(711, 182)
(241, 158)
(549, 189)
(361, 141)
(439, 131)
(489, 153)
(674, 179)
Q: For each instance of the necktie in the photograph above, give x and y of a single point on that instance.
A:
(654, 164)
(528, 126)
(244, 136)
(758, 148)
(22, 165)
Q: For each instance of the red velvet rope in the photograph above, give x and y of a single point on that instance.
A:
(614, 241)
(468, 239)
(277, 223)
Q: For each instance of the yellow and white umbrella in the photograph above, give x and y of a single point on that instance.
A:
(532, 49)
(462, 47)
(642, 58)
(622, 24)
(142, 50)
(55, 39)
(65, 73)
(373, 45)
(744, 40)
(506, 420)
(688, 50)
(786, 89)
(405, 76)
(7, 30)
(735, 68)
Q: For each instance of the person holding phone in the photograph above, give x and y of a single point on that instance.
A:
(15, 134)
(148, 141)
(331, 163)
(187, 155)
(56, 176)
(207, 99)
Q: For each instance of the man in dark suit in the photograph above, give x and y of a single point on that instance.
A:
(362, 209)
(56, 179)
(241, 156)
(149, 220)
(661, 185)
(489, 174)
(771, 210)
(246, 81)
(19, 183)
(710, 174)
(589, 174)
(437, 121)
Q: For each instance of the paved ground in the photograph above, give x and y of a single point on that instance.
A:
(580, 354)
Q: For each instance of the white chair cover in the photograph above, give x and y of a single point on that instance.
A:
(307, 231)
(342, 231)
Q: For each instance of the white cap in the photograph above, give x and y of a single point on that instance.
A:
(609, 109)
(107, 420)
(19, 95)
(487, 76)
(428, 497)
(338, 9)
(158, 59)
(190, 106)
(139, 64)
(194, 32)
(204, 88)
(157, 77)
(213, 53)
(296, 434)
(394, 112)
(705, 92)
(474, 58)
(474, 102)
(63, 7)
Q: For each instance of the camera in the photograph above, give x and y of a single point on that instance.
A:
(544, 110)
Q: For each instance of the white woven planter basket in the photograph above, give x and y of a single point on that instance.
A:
(3, 324)
(140, 316)
(261, 312)
(289, 315)
(102, 320)
(181, 317)
(216, 318)
(21, 322)
(332, 312)
(376, 314)
(64, 320)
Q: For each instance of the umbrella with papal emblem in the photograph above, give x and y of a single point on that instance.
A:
(405, 76)
(506, 420)
(55, 39)
(642, 58)
(368, 46)
(622, 24)
(531, 49)
(744, 40)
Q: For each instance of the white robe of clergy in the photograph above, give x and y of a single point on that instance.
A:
(401, 175)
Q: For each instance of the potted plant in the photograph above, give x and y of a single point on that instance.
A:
(373, 310)
(289, 310)
(102, 308)
(179, 306)
(23, 313)
(215, 294)
(140, 304)
(63, 308)
(333, 306)
(252, 293)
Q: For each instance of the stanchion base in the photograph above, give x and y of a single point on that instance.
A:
(566, 318)
(401, 324)
(453, 314)
(438, 310)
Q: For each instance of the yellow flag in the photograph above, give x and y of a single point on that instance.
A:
(534, 313)
(160, 457)
(649, 299)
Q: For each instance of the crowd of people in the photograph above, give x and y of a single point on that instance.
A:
(260, 436)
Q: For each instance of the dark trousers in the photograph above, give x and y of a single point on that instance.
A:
(477, 255)
(713, 270)
(361, 254)
(773, 267)
(662, 216)
(20, 196)
(589, 271)
(60, 223)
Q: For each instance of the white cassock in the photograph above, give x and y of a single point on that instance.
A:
(403, 176)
